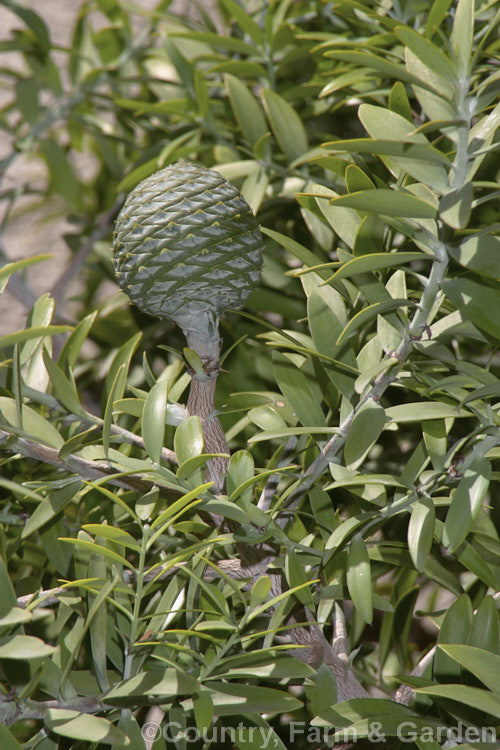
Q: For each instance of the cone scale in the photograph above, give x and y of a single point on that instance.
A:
(187, 248)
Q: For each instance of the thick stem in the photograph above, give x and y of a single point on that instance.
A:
(201, 402)
(204, 340)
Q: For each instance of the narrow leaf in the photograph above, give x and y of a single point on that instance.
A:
(466, 502)
(363, 433)
(421, 531)
(389, 202)
(359, 580)
(286, 124)
(154, 420)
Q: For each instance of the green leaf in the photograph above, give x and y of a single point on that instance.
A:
(257, 734)
(7, 740)
(357, 180)
(363, 433)
(189, 469)
(32, 20)
(113, 10)
(260, 590)
(436, 16)
(297, 577)
(285, 124)
(114, 534)
(476, 302)
(15, 616)
(399, 103)
(201, 93)
(85, 727)
(34, 425)
(154, 420)
(8, 598)
(421, 531)
(480, 253)
(296, 249)
(434, 93)
(322, 692)
(24, 647)
(232, 43)
(455, 207)
(359, 580)
(32, 333)
(367, 314)
(471, 697)
(486, 627)
(413, 155)
(235, 698)
(203, 710)
(267, 418)
(48, 509)
(295, 387)
(420, 411)
(73, 344)
(436, 441)
(344, 221)
(247, 24)
(122, 357)
(466, 502)
(179, 504)
(64, 389)
(7, 270)
(343, 532)
(461, 36)
(388, 202)
(97, 549)
(429, 53)
(326, 323)
(484, 665)
(157, 683)
(116, 392)
(243, 68)
(455, 628)
(375, 262)
(388, 69)
(246, 109)
(188, 440)
(241, 469)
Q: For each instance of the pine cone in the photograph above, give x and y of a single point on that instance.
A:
(187, 246)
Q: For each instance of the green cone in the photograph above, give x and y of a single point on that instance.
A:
(187, 246)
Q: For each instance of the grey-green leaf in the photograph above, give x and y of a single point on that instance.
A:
(466, 502)
(477, 302)
(154, 419)
(85, 727)
(286, 124)
(188, 440)
(480, 253)
(359, 580)
(421, 531)
(246, 110)
(363, 433)
(389, 202)
(299, 393)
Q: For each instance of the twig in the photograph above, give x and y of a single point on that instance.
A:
(86, 469)
(12, 711)
(332, 448)
(91, 419)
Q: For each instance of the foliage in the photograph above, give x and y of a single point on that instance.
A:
(361, 391)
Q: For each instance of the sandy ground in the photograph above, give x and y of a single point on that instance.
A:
(38, 232)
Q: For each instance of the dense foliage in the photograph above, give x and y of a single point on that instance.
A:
(360, 392)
